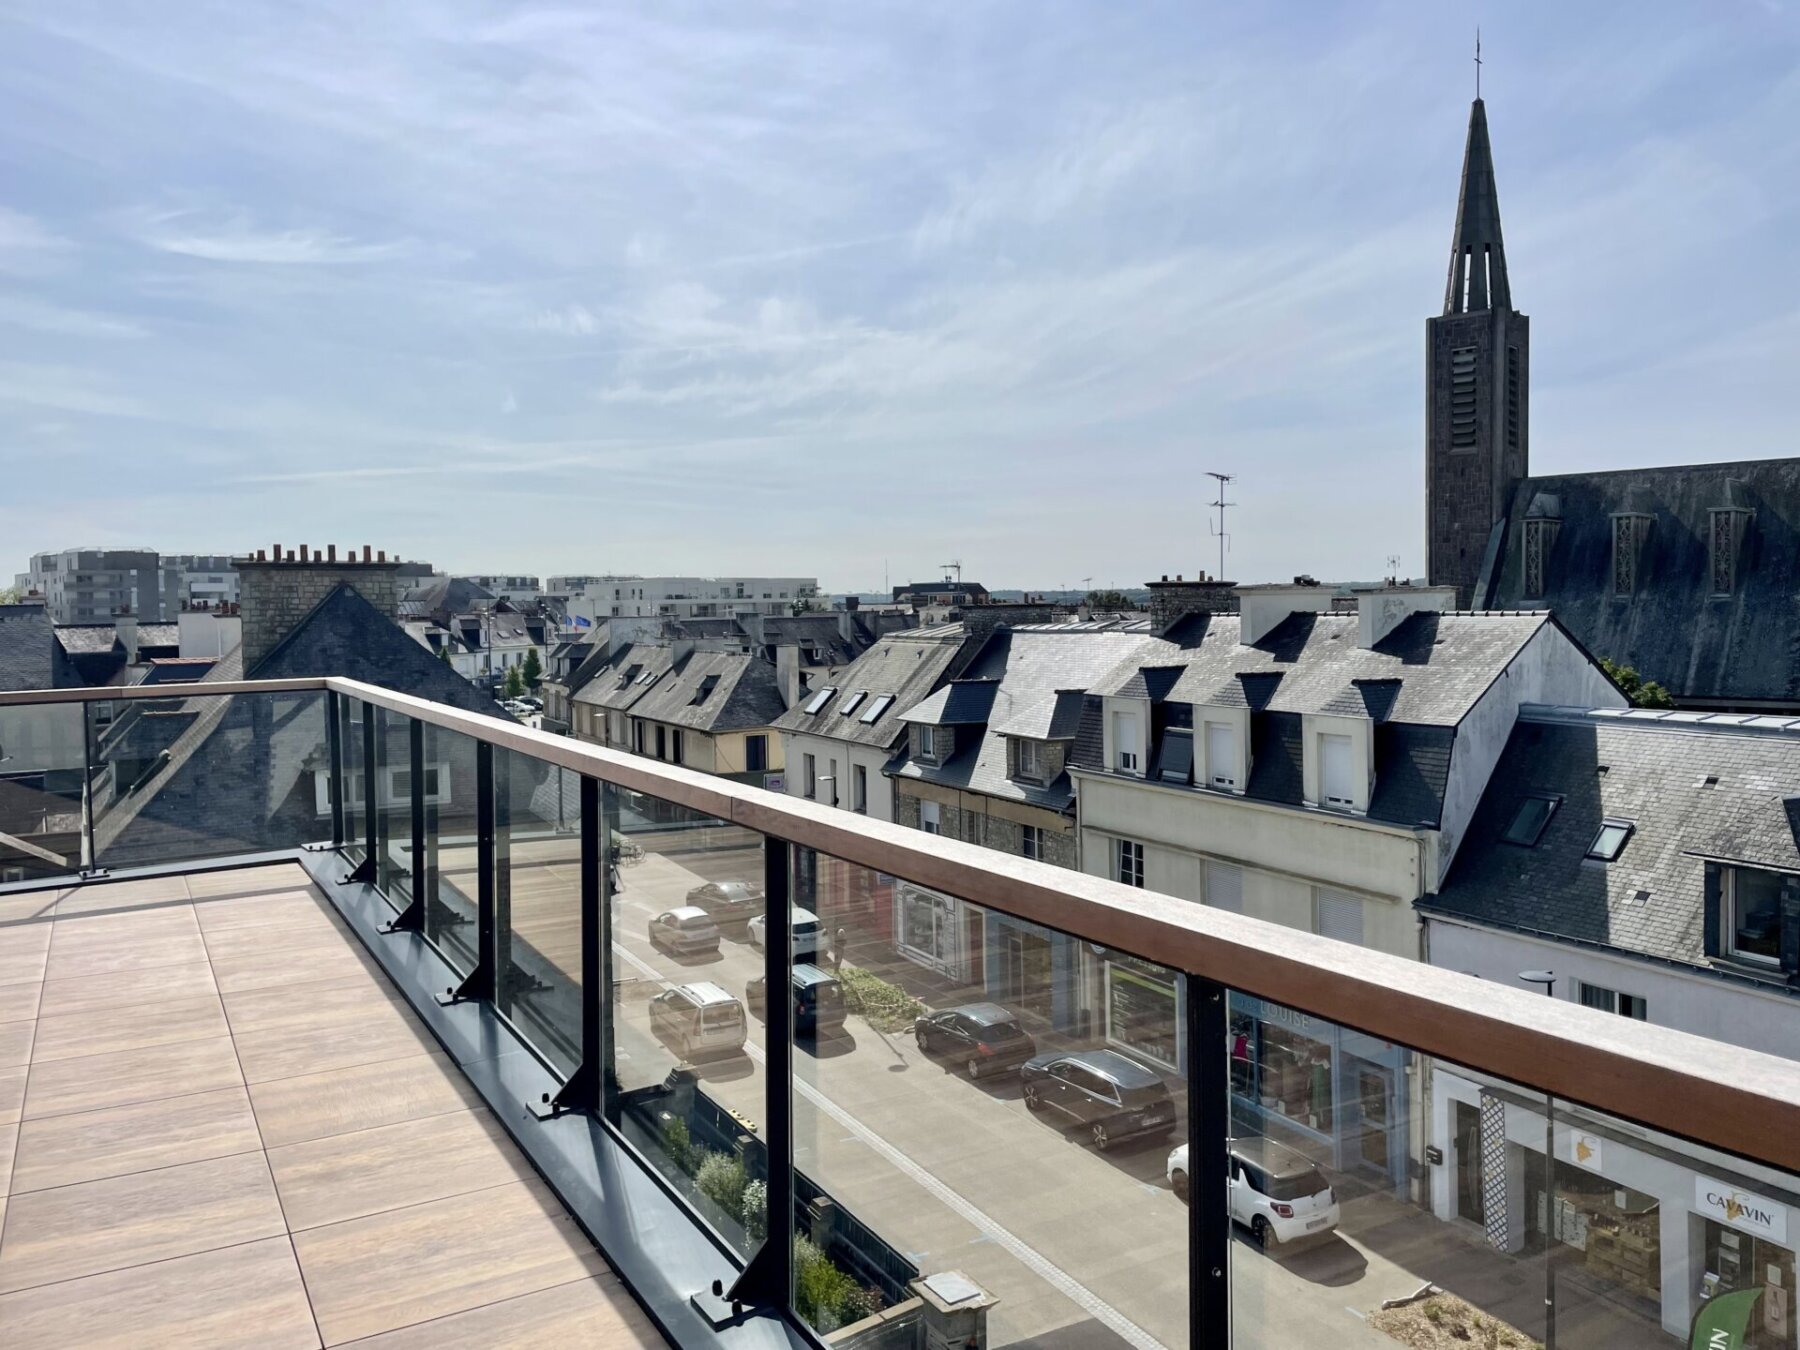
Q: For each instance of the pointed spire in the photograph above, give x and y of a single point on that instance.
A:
(1477, 255)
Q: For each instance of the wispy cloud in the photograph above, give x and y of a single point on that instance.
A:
(573, 320)
(236, 239)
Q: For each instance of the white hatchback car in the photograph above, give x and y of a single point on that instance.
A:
(806, 934)
(1277, 1193)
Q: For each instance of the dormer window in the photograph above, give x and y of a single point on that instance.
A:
(1223, 758)
(1028, 761)
(1337, 777)
(1127, 749)
(925, 742)
(704, 692)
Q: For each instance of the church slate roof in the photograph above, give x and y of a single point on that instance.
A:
(1743, 648)
(30, 657)
(1651, 900)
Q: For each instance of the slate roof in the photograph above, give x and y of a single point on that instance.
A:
(1034, 671)
(905, 665)
(29, 655)
(1655, 771)
(1741, 648)
(86, 639)
(745, 694)
(605, 685)
(961, 703)
(443, 596)
(238, 772)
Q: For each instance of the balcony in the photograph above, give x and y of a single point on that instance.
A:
(470, 1072)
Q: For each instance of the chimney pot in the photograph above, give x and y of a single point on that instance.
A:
(304, 557)
(381, 556)
(1165, 576)
(1178, 576)
(366, 553)
(261, 555)
(290, 555)
(277, 553)
(331, 552)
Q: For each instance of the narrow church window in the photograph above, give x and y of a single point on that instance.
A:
(1462, 399)
(1625, 540)
(1537, 537)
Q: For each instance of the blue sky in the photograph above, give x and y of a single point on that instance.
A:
(842, 290)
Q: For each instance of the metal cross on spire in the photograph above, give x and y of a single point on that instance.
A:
(1478, 62)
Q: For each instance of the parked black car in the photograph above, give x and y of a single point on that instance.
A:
(818, 999)
(732, 904)
(1102, 1091)
(983, 1037)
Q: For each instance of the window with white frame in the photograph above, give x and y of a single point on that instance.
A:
(1612, 1001)
(1337, 781)
(930, 818)
(1030, 759)
(396, 787)
(925, 741)
(1125, 742)
(1128, 862)
(1752, 919)
(1222, 763)
(1031, 841)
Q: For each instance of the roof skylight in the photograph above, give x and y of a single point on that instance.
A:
(878, 707)
(818, 701)
(849, 704)
(1609, 842)
(1529, 820)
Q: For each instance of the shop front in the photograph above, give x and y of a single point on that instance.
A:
(1643, 1223)
(1340, 1094)
(931, 930)
(1144, 1011)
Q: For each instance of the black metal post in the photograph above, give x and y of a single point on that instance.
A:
(479, 983)
(90, 860)
(412, 918)
(606, 835)
(1209, 1164)
(371, 792)
(334, 740)
(502, 851)
(768, 1280)
(583, 1091)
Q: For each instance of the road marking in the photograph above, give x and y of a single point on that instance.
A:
(1029, 1257)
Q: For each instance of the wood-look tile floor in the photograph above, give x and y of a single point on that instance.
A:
(220, 1126)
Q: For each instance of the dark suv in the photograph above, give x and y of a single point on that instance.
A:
(1102, 1091)
(983, 1037)
(818, 999)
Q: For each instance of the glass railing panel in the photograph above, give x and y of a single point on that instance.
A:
(538, 893)
(43, 781)
(350, 752)
(185, 778)
(393, 806)
(452, 872)
(685, 896)
(989, 1122)
(1379, 1195)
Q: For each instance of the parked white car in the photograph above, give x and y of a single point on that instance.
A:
(1275, 1192)
(806, 934)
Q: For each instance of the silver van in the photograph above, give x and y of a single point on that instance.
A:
(699, 1019)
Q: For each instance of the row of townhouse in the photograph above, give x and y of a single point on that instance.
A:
(1465, 788)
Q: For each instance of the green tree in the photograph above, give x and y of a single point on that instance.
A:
(1642, 693)
(533, 669)
(515, 683)
(1114, 600)
(11, 595)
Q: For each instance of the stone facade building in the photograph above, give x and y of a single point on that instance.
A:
(277, 593)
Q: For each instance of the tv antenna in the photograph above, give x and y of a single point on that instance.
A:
(1221, 504)
(955, 567)
(1393, 569)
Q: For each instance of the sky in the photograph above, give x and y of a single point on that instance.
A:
(852, 290)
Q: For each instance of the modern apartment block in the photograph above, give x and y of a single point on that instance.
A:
(614, 597)
(91, 585)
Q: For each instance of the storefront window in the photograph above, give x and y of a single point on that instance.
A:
(1141, 1012)
(928, 927)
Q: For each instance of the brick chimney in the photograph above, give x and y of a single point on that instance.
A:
(1173, 601)
(275, 593)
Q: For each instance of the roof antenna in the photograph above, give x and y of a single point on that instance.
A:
(1478, 63)
(1223, 478)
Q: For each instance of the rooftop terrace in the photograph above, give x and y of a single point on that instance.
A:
(220, 1125)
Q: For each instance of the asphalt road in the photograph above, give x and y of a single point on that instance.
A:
(1082, 1248)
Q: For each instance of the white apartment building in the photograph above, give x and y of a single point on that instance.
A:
(689, 597)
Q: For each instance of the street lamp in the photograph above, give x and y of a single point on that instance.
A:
(1547, 978)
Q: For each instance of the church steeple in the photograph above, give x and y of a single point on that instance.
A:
(1477, 255)
(1478, 390)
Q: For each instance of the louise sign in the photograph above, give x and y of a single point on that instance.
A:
(1740, 1209)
